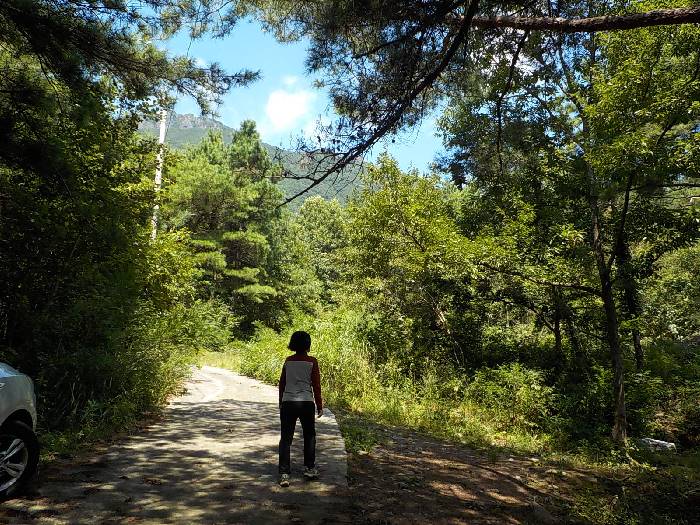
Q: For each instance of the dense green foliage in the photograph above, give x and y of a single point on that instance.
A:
(353, 380)
(597, 138)
(89, 306)
(437, 295)
(225, 197)
(430, 317)
(104, 319)
(576, 139)
(536, 291)
(436, 313)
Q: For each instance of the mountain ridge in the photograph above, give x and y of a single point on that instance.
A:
(186, 129)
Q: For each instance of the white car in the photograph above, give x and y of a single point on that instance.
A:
(19, 448)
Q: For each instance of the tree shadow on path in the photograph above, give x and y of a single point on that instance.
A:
(208, 462)
(409, 478)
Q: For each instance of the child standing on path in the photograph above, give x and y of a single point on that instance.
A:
(300, 386)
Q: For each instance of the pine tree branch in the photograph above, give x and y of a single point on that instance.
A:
(450, 49)
(656, 17)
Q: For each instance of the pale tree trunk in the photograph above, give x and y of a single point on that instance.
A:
(159, 172)
(556, 299)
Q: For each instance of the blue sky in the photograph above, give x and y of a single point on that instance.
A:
(284, 102)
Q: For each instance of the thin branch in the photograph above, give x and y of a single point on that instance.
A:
(499, 102)
(581, 287)
(540, 315)
(656, 17)
(388, 43)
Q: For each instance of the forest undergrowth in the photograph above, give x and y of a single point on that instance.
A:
(594, 483)
(438, 403)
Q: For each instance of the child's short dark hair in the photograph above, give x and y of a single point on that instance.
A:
(300, 341)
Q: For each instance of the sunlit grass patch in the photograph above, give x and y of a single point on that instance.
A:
(360, 436)
(229, 359)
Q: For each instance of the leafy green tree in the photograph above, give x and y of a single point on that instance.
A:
(224, 194)
(401, 256)
(609, 118)
(323, 228)
(673, 296)
(101, 317)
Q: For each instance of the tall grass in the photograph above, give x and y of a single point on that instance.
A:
(437, 403)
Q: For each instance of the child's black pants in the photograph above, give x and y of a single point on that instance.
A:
(290, 411)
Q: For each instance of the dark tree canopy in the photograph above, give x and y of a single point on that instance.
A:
(80, 43)
(387, 64)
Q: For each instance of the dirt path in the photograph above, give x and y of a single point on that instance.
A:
(212, 459)
(411, 479)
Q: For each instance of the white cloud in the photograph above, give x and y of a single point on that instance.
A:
(199, 62)
(310, 128)
(290, 80)
(284, 109)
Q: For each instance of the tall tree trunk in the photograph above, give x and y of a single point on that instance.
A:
(556, 299)
(563, 316)
(557, 331)
(631, 295)
(578, 357)
(619, 431)
(612, 330)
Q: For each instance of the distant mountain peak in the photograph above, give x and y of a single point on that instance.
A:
(189, 121)
(186, 129)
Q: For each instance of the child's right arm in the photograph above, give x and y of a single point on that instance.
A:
(316, 384)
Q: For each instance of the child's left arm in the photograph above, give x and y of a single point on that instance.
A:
(283, 382)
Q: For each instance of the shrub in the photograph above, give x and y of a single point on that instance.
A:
(663, 400)
(644, 395)
(584, 406)
(687, 414)
(122, 343)
(672, 298)
(513, 395)
(346, 372)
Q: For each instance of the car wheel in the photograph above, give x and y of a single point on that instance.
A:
(19, 457)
